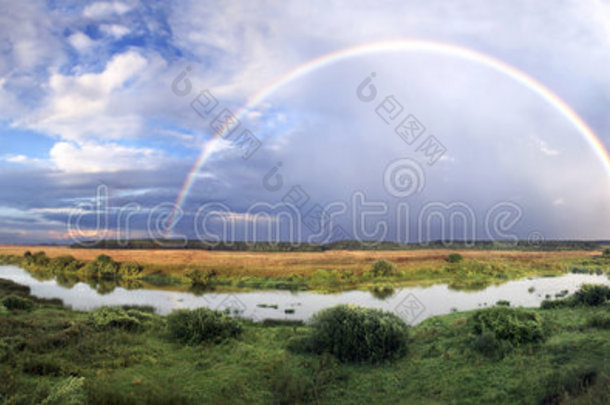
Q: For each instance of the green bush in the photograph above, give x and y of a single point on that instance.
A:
(201, 325)
(3, 310)
(102, 266)
(114, 318)
(454, 258)
(130, 269)
(65, 263)
(70, 391)
(592, 295)
(39, 259)
(383, 268)
(15, 302)
(200, 279)
(513, 325)
(553, 304)
(358, 334)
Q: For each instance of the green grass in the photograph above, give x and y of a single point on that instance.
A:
(52, 352)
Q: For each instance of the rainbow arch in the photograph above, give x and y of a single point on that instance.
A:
(401, 45)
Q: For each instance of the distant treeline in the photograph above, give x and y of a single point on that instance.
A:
(339, 245)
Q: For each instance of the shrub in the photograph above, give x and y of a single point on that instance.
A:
(36, 259)
(15, 302)
(70, 391)
(114, 318)
(454, 258)
(3, 310)
(552, 304)
(103, 266)
(383, 268)
(64, 263)
(130, 269)
(606, 253)
(358, 334)
(503, 303)
(201, 325)
(200, 279)
(513, 325)
(592, 295)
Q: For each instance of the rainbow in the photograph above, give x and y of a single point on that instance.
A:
(400, 45)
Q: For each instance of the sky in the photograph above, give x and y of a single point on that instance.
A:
(107, 107)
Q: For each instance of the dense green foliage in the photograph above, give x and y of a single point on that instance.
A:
(111, 317)
(358, 334)
(200, 278)
(202, 325)
(514, 325)
(103, 266)
(592, 295)
(383, 268)
(454, 258)
(16, 302)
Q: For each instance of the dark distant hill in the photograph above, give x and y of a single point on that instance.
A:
(340, 245)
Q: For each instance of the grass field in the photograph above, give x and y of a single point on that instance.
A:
(327, 271)
(53, 355)
(272, 264)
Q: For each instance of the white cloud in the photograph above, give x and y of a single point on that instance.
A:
(20, 159)
(104, 9)
(93, 157)
(90, 105)
(115, 30)
(81, 41)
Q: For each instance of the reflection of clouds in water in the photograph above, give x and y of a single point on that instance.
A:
(436, 300)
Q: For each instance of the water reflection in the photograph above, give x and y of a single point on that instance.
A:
(414, 304)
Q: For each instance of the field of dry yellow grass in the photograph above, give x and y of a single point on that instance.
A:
(278, 264)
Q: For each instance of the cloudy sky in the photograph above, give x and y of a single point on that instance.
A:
(98, 130)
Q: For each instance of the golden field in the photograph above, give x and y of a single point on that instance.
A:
(278, 264)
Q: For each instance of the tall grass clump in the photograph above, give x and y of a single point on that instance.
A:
(199, 278)
(355, 334)
(202, 325)
(454, 258)
(600, 321)
(70, 391)
(102, 266)
(38, 259)
(383, 268)
(64, 263)
(115, 318)
(592, 295)
(512, 325)
(128, 269)
(15, 302)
